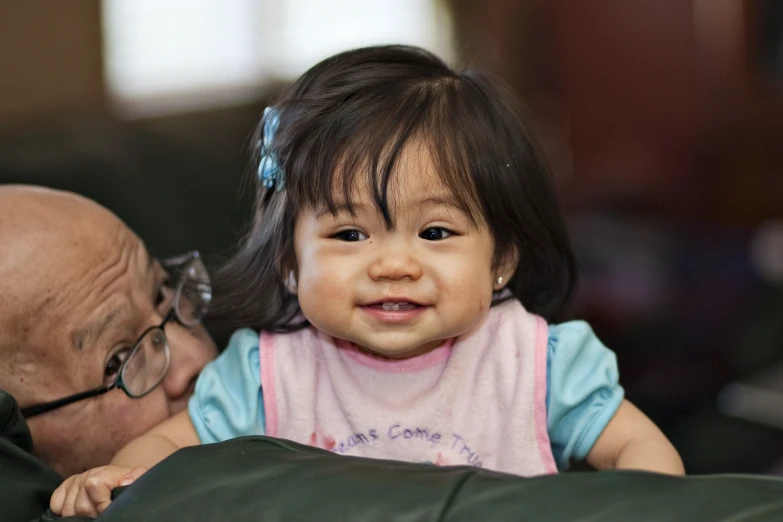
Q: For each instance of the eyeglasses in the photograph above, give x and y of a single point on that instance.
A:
(148, 361)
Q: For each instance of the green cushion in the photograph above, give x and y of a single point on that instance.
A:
(25, 482)
(258, 478)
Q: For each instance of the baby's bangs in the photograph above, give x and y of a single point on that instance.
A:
(360, 143)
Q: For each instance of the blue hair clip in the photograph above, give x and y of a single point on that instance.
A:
(269, 172)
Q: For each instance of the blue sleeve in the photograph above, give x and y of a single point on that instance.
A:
(228, 401)
(583, 390)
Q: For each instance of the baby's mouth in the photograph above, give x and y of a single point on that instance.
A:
(394, 306)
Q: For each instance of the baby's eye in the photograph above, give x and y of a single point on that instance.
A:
(350, 235)
(114, 365)
(435, 234)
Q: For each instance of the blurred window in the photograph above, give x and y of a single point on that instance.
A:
(166, 56)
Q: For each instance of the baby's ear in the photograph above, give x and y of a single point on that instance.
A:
(506, 268)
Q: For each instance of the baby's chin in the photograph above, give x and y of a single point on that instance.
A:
(389, 344)
(402, 351)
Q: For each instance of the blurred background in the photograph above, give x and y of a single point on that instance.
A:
(662, 119)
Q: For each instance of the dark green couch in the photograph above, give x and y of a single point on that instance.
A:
(258, 478)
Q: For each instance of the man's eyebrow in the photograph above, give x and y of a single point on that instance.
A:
(94, 330)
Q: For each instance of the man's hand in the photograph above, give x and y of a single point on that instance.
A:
(89, 494)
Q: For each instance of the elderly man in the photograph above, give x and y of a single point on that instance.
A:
(99, 341)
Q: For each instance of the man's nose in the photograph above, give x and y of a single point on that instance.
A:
(396, 262)
(189, 354)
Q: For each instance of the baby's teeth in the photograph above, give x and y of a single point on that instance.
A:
(391, 307)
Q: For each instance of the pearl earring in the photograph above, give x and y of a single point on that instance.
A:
(291, 282)
(500, 281)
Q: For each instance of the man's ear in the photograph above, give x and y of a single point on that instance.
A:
(505, 270)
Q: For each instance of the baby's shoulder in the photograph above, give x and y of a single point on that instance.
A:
(573, 336)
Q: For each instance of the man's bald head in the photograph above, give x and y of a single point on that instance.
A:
(46, 239)
(77, 290)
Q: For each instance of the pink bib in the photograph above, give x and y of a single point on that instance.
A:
(479, 400)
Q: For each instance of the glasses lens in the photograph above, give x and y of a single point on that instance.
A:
(147, 364)
(195, 293)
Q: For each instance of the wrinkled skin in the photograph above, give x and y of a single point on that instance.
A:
(77, 288)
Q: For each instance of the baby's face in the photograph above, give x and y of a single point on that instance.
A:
(401, 292)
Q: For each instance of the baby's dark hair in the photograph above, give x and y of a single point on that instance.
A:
(346, 121)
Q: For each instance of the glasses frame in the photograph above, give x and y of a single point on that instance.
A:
(175, 266)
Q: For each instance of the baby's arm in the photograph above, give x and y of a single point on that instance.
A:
(632, 441)
(158, 443)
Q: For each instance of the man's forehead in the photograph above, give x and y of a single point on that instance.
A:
(72, 305)
(56, 251)
(115, 306)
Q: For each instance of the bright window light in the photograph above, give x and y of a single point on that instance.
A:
(166, 56)
(313, 30)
